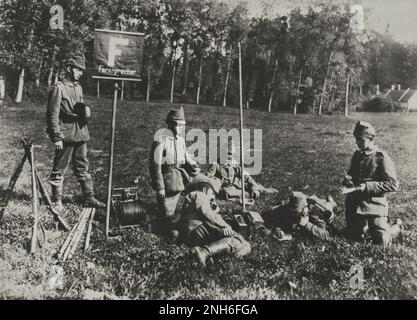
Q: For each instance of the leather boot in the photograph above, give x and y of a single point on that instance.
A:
(88, 192)
(56, 197)
(215, 248)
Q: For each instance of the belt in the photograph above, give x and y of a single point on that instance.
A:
(68, 117)
(167, 168)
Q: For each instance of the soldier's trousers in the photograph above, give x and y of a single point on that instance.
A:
(205, 235)
(168, 204)
(72, 152)
(357, 225)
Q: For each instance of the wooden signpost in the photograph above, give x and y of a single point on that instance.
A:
(117, 57)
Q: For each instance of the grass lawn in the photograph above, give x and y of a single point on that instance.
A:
(304, 152)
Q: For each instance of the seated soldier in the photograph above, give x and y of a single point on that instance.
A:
(312, 215)
(202, 227)
(230, 175)
(371, 175)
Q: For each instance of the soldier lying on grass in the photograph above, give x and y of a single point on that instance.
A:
(202, 227)
(371, 175)
(309, 215)
(230, 174)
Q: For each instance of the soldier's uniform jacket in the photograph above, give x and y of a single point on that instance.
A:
(230, 175)
(170, 164)
(62, 122)
(286, 220)
(198, 207)
(376, 169)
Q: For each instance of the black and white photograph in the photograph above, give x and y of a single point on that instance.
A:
(222, 151)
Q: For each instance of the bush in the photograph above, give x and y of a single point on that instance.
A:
(379, 104)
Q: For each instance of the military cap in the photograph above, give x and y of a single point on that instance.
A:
(176, 115)
(298, 201)
(77, 61)
(364, 129)
(214, 183)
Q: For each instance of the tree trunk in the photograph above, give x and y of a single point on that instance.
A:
(347, 93)
(227, 76)
(19, 94)
(2, 88)
(20, 86)
(122, 92)
(51, 73)
(173, 75)
(51, 70)
(272, 86)
(360, 90)
(248, 82)
(298, 90)
(38, 74)
(199, 80)
(327, 75)
(148, 85)
(186, 71)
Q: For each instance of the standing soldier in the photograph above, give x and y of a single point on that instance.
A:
(202, 227)
(370, 176)
(66, 125)
(170, 167)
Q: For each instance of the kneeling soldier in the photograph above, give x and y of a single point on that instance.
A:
(230, 174)
(203, 228)
(308, 214)
(371, 175)
(171, 167)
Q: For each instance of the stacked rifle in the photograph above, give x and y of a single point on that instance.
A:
(74, 237)
(37, 184)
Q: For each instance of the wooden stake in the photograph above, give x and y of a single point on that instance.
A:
(241, 129)
(173, 75)
(79, 234)
(34, 239)
(69, 250)
(69, 237)
(199, 81)
(90, 228)
(109, 184)
(227, 76)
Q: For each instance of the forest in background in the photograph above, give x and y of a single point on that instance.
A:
(310, 60)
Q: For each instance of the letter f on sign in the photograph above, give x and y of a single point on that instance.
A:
(113, 51)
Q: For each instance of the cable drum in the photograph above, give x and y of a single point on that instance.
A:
(132, 213)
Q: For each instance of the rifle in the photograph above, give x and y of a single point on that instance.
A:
(5, 200)
(34, 239)
(43, 192)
